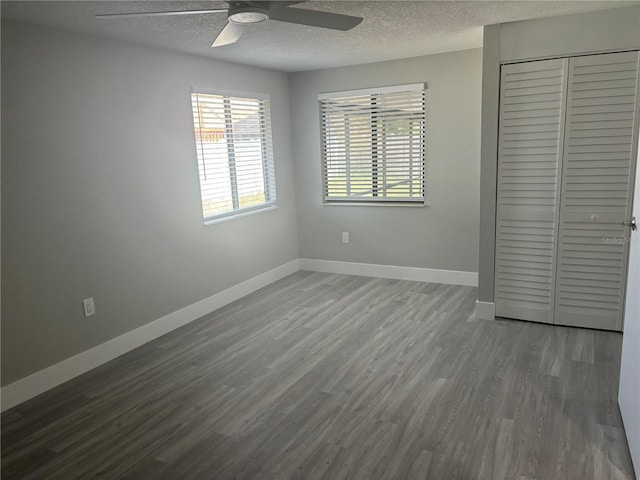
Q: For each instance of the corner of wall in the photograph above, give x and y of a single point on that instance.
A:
(489, 159)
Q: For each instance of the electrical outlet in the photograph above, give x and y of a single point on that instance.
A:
(89, 307)
(345, 237)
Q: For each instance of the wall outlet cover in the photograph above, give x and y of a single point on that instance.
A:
(89, 307)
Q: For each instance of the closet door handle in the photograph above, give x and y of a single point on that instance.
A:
(632, 224)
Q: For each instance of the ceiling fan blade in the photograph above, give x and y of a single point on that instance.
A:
(163, 14)
(228, 35)
(275, 4)
(315, 18)
(284, 3)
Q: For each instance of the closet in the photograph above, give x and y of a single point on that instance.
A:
(567, 151)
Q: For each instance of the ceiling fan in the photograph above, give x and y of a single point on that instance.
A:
(240, 14)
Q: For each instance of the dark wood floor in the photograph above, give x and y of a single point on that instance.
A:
(336, 377)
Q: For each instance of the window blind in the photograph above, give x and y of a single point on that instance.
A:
(373, 144)
(235, 153)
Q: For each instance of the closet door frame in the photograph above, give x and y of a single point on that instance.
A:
(633, 166)
(635, 160)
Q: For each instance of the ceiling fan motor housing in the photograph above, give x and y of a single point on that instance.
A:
(245, 14)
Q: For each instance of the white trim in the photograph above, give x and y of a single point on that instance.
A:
(485, 310)
(376, 200)
(452, 277)
(225, 92)
(242, 212)
(413, 87)
(52, 376)
(374, 204)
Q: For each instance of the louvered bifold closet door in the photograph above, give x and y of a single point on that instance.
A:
(598, 167)
(530, 142)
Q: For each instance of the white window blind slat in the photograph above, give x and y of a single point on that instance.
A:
(373, 145)
(235, 154)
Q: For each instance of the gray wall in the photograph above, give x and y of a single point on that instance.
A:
(100, 192)
(594, 32)
(443, 235)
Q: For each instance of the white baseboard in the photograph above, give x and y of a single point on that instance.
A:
(43, 380)
(50, 377)
(452, 277)
(485, 310)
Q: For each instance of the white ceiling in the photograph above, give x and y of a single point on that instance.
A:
(391, 29)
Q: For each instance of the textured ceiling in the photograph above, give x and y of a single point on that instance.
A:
(391, 29)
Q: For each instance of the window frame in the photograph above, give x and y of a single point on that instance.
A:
(376, 145)
(269, 171)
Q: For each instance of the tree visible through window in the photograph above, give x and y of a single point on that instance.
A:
(373, 145)
(234, 150)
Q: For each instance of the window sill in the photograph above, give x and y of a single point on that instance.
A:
(375, 204)
(247, 213)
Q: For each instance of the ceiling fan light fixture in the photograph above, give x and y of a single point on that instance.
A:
(247, 15)
(248, 12)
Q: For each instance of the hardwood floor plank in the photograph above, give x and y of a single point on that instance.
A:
(326, 376)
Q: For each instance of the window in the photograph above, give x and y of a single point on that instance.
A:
(373, 145)
(235, 159)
